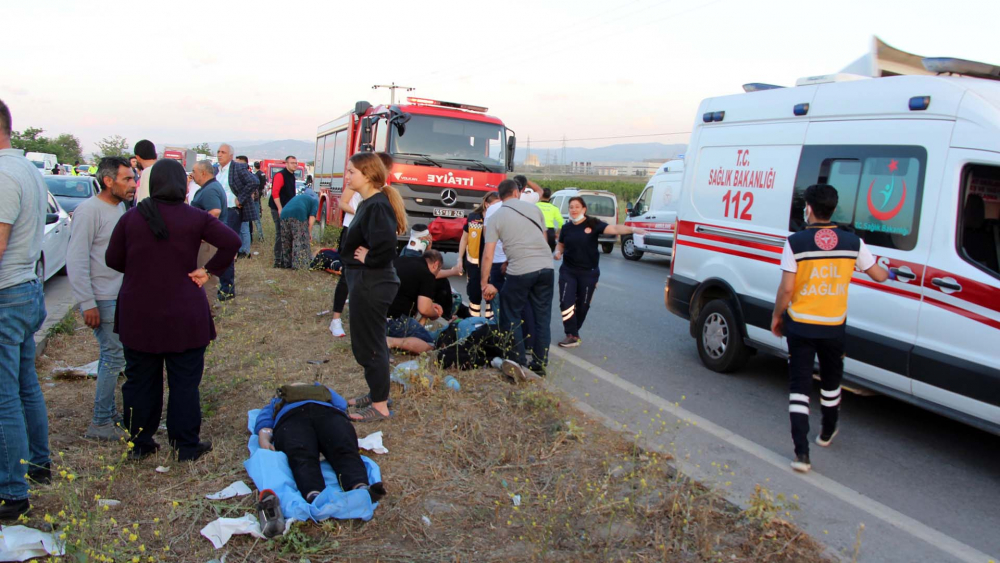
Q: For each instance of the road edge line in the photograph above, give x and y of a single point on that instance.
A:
(934, 538)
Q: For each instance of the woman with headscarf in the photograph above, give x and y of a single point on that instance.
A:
(163, 316)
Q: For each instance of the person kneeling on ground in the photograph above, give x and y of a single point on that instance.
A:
(304, 421)
(417, 283)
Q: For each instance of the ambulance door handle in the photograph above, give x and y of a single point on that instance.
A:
(903, 274)
(947, 283)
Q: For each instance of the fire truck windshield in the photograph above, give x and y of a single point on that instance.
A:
(443, 138)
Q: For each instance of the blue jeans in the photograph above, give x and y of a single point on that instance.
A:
(533, 290)
(24, 422)
(110, 366)
(227, 281)
(245, 237)
(405, 327)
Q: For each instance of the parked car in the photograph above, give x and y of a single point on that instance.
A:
(44, 161)
(55, 241)
(600, 203)
(71, 191)
(83, 169)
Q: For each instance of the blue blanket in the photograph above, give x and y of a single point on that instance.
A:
(269, 470)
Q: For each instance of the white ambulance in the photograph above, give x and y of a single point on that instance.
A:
(655, 210)
(916, 162)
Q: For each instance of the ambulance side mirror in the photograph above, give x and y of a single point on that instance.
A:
(630, 209)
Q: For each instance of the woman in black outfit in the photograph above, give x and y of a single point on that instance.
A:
(368, 251)
(579, 272)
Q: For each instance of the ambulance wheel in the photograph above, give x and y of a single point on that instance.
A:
(720, 344)
(607, 247)
(628, 249)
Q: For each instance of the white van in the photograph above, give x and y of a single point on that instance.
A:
(655, 210)
(916, 161)
(44, 161)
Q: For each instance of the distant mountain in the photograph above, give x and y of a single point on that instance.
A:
(261, 150)
(623, 152)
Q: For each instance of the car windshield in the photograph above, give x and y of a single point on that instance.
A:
(38, 163)
(603, 206)
(443, 138)
(69, 187)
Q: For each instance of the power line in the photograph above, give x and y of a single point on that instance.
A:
(615, 137)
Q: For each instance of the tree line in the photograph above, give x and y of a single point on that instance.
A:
(67, 147)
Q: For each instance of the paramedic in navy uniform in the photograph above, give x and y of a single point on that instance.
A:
(811, 312)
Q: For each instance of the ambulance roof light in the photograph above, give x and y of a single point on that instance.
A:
(760, 87)
(963, 67)
(920, 103)
(439, 103)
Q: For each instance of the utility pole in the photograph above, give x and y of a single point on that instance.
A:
(564, 150)
(392, 89)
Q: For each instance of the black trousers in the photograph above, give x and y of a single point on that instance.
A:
(276, 217)
(550, 236)
(309, 430)
(576, 291)
(340, 292)
(371, 293)
(142, 398)
(802, 353)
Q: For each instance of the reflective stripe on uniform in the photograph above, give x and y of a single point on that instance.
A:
(798, 409)
(568, 312)
(799, 397)
(816, 318)
(827, 254)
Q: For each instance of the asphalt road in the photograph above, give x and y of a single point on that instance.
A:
(942, 474)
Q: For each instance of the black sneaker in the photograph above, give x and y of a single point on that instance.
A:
(824, 439)
(201, 449)
(570, 341)
(12, 509)
(376, 491)
(41, 475)
(272, 521)
(801, 463)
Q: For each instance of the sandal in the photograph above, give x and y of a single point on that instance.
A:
(369, 414)
(364, 401)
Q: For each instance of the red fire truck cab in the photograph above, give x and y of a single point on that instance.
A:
(270, 167)
(447, 156)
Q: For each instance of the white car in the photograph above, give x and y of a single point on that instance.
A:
(55, 241)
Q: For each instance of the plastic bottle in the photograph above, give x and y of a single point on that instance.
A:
(451, 383)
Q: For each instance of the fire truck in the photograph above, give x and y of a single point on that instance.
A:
(447, 156)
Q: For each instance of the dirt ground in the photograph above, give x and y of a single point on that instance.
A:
(457, 462)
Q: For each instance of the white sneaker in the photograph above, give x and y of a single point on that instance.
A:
(337, 328)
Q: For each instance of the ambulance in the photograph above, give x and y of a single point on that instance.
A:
(655, 210)
(915, 157)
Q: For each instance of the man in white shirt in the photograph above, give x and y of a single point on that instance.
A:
(145, 156)
(239, 184)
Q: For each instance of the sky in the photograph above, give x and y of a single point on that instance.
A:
(188, 72)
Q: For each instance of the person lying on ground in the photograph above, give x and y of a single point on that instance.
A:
(417, 284)
(305, 420)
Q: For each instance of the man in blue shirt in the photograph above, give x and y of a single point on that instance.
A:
(211, 198)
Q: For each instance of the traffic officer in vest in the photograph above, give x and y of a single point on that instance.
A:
(811, 312)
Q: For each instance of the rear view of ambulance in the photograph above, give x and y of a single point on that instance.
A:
(916, 162)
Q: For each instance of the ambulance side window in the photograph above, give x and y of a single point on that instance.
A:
(880, 189)
(979, 218)
(642, 204)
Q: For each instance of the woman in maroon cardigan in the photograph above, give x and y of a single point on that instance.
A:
(163, 316)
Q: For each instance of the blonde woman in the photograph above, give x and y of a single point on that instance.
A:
(368, 251)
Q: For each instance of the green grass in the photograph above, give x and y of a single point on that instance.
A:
(66, 326)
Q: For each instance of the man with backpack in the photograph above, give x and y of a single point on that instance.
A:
(529, 282)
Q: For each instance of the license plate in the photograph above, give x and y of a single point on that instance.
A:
(439, 212)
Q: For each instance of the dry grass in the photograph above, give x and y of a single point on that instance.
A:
(458, 458)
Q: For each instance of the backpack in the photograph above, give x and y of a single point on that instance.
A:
(485, 343)
(327, 259)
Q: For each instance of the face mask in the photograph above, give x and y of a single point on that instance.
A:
(805, 214)
(576, 218)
